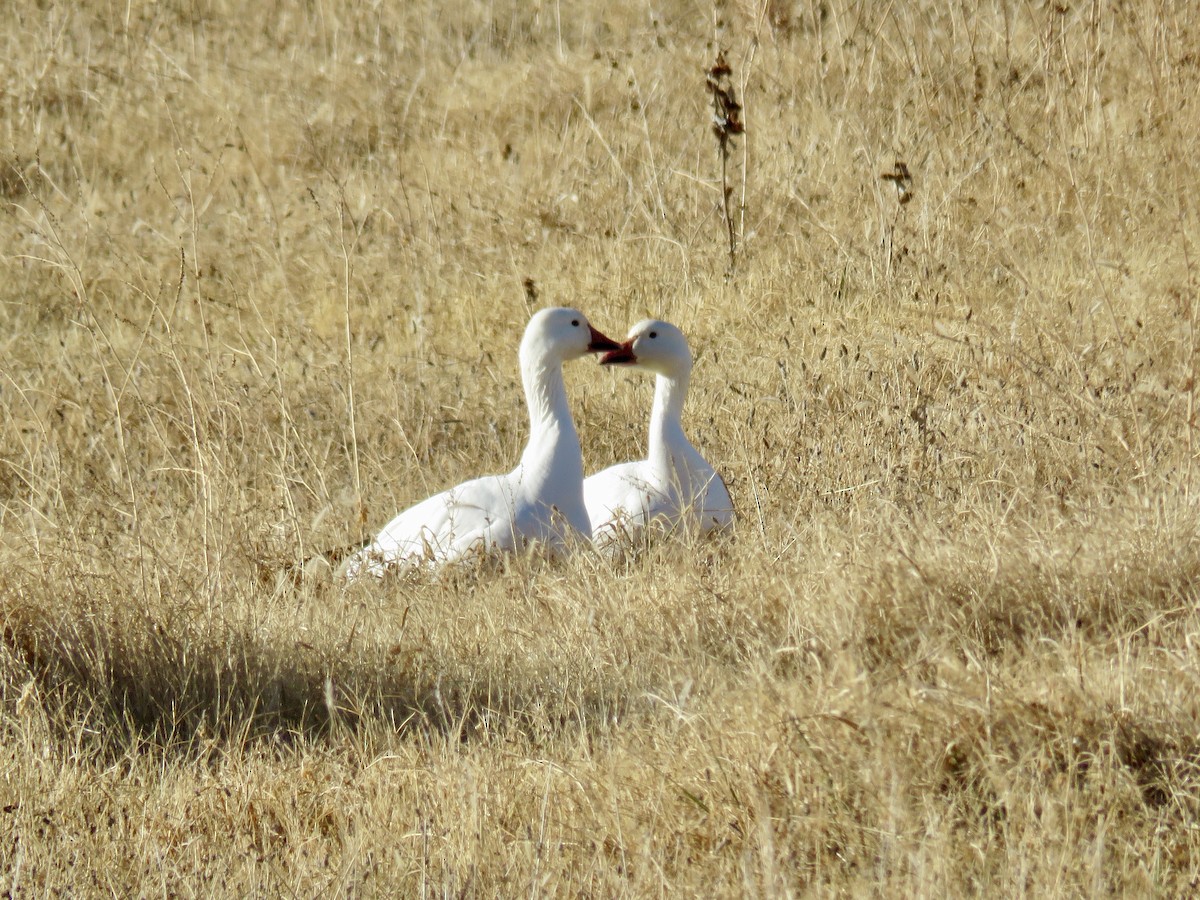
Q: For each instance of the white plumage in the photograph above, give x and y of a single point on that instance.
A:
(674, 487)
(538, 502)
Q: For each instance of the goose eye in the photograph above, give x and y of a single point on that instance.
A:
(653, 334)
(575, 323)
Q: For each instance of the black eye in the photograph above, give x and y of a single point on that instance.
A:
(653, 334)
(575, 323)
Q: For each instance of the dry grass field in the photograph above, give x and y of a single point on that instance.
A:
(263, 271)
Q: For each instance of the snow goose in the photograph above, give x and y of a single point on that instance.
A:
(674, 486)
(538, 502)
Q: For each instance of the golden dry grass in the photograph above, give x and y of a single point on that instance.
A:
(264, 273)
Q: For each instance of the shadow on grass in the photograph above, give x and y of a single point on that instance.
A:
(998, 599)
(1124, 584)
(133, 679)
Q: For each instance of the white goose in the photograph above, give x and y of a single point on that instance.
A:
(538, 502)
(674, 486)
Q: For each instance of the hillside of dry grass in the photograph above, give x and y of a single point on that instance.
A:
(263, 270)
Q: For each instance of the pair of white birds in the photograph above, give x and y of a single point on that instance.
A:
(545, 500)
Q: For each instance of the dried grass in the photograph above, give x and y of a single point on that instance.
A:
(264, 270)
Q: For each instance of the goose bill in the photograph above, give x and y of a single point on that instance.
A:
(599, 343)
(620, 355)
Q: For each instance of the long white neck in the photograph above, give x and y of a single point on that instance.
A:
(669, 446)
(553, 450)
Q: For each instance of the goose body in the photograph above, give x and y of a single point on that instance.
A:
(674, 487)
(538, 502)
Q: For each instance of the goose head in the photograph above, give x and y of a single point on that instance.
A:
(654, 345)
(561, 334)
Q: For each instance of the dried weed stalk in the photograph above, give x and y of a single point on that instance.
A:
(726, 124)
(902, 179)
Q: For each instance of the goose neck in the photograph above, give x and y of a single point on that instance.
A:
(550, 425)
(666, 425)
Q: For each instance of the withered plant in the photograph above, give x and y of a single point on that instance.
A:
(726, 124)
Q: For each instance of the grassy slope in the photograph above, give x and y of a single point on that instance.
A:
(262, 283)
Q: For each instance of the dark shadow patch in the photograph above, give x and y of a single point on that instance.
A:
(139, 681)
